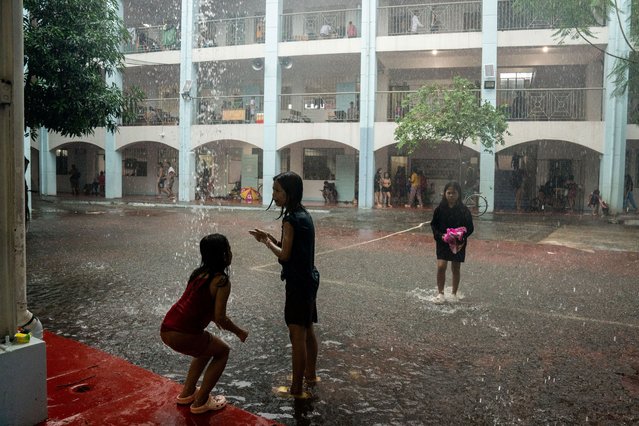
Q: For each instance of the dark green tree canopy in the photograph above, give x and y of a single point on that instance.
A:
(70, 47)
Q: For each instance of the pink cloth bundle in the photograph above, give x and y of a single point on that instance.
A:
(454, 238)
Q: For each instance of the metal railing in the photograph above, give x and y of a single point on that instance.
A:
(565, 104)
(321, 24)
(426, 18)
(156, 112)
(230, 31)
(153, 39)
(319, 107)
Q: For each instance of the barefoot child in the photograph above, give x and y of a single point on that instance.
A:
(450, 214)
(184, 326)
(296, 253)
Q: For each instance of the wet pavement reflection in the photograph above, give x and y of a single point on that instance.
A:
(544, 334)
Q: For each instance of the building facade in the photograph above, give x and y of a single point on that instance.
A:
(236, 92)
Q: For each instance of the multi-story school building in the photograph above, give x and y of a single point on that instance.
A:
(240, 91)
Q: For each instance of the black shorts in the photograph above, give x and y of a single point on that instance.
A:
(299, 310)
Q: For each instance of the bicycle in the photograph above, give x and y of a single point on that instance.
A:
(476, 203)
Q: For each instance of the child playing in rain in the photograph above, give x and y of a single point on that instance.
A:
(451, 213)
(296, 253)
(184, 326)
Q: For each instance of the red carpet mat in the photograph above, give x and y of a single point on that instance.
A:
(90, 387)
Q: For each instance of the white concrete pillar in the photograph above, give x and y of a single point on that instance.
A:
(612, 169)
(48, 183)
(272, 89)
(488, 61)
(186, 168)
(16, 406)
(113, 157)
(368, 86)
(12, 226)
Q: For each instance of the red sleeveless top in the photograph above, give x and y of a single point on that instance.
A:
(193, 312)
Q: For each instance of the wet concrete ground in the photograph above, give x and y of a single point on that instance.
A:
(546, 333)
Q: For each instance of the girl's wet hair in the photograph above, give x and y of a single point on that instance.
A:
(293, 187)
(457, 187)
(214, 249)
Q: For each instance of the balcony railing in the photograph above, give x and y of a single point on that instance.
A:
(319, 107)
(570, 104)
(156, 112)
(237, 109)
(153, 39)
(323, 24)
(426, 18)
(230, 31)
(565, 104)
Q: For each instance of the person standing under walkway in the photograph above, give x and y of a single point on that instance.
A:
(377, 188)
(161, 179)
(168, 183)
(386, 190)
(296, 253)
(74, 179)
(451, 213)
(628, 198)
(415, 189)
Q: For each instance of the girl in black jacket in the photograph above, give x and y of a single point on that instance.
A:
(451, 213)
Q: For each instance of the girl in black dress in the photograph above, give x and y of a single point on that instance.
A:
(451, 213)
(295, 251)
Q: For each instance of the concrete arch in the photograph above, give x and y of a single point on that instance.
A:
(79, 144)
(64, 143)
(165, 135)
(294, 160)
(589, 134)
(343, 133)
(545, 163)
(222, 143)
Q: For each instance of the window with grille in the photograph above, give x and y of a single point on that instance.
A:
(319, 163)
(61, 162)
(134, 162)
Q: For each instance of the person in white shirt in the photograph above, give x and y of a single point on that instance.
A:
(415, 23)
(326, 30)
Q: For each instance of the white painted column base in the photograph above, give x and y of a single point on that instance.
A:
(23, 387)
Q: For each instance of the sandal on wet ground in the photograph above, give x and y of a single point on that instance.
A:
(187, 399)
(285, 391)
(214, 403)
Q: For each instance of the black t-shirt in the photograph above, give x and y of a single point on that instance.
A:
(302, 261)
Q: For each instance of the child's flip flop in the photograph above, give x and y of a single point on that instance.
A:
(285, 391)
(214, 403)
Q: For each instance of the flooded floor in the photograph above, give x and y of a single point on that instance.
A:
(544, 334)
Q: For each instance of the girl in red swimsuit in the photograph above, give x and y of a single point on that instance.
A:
(184, 326)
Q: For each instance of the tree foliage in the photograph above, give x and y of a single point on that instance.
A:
(574, 19)
(452, 114)
(70, 47)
